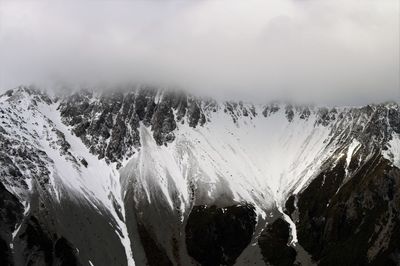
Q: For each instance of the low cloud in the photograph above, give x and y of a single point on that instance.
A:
(335, 52)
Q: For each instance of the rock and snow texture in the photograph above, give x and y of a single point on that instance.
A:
(140, 164)
(393, 151)
(41, 154)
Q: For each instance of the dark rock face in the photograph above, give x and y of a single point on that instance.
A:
(271, 109)
(39, 246)
(42, 249)
(305, 113)
(355, 222)
(273, 243)
(5, 253)
(163, 122)
(217, 236)
(195, 114)
(289, 112)
(155, 254)
(325, 116)
(11, 214)
(16, 155)
(394, 118)
(11, 210)
(108, 124)
(67, 234)
(65, 254)
(31, 245)
(290, 205)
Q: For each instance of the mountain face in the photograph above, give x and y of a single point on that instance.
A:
(151, 177)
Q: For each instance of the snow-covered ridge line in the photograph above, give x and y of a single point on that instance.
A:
(109, 124)
(174, 151)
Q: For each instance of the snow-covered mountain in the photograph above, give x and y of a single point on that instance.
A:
(147, 176)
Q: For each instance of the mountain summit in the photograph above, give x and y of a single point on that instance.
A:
(145, 176)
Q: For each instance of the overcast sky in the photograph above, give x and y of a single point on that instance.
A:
(339, 52)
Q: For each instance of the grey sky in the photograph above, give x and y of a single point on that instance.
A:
(339, 51)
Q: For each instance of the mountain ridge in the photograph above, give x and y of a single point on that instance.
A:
(144, 161)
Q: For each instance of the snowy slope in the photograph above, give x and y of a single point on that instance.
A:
(38, 123)
(98, 182)
(250, 154)
(256, 160)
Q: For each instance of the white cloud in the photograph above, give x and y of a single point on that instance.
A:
(344, 52)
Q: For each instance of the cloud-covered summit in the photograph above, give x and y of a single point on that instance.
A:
(340, 52)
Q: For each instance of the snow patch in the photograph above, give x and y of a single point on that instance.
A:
(393, 152)
(293, 230)
(354, 146)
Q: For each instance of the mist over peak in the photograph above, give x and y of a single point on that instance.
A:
(330, 52)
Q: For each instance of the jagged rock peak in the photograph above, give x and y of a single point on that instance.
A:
(108, 121)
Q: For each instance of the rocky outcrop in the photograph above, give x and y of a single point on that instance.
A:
(163, 122)
(274, 244)
(42, 248)
(11, 214)
(217, 236)
(155, 253)
(354, 222)
(289, 113)
(108, 123)
(270, 109)
(23, 241)
(22, 158)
